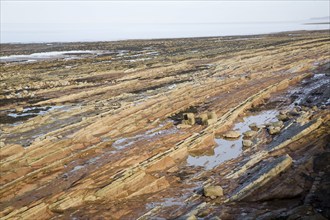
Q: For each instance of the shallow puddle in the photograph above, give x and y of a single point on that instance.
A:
(34, 111)
(14, 118)
(227, 149)
(48, 55)
(158, 131)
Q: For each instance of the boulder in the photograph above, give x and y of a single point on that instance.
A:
(277, 124)
(274, 130)
(188, 122)
(19, 109)
(261, 126)
(203, 118)
(189, 119)
(275, 127)
(211, 121)
(192, 217)
(283, 117)
(254, 127)
(250, 134)
(188, 115)
(294, 112)
(247, 143)
(231, 134)
(208, 118)
(213, 191)
(212, 115)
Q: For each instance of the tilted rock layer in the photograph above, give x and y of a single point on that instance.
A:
(102, 134)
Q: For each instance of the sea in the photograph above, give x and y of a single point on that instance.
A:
(68, 32)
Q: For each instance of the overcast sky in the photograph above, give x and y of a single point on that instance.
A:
(159, 11)
(23, 15)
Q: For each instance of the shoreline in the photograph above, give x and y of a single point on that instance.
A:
(166, 38)
(8, 49)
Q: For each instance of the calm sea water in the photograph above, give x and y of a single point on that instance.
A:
(109, 32)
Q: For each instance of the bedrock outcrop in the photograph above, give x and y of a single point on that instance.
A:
(117, 135)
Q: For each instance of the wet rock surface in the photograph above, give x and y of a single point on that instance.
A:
(151, 130)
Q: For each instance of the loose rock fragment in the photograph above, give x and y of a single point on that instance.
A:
(275, 127)
(273, 130)
(231, 134)
(192, 217)
(211, 121)
(212, 115)
(261, 126)
(203, 118)
(253, 127)
(294, 112)
(277, 124)
(213, 191)
(247, 143)
(189, 119)
(209, 118)
(283, 117)
(250, 134)
(19, 109)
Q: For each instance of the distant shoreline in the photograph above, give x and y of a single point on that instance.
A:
(133, 32)
(317, 23)
(168, 38)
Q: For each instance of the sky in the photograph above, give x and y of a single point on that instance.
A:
(26, 18)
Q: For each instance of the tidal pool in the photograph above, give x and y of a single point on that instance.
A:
(227, 149)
